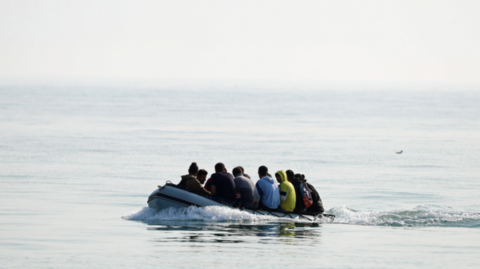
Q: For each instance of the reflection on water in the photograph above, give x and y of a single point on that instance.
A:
(228, 232)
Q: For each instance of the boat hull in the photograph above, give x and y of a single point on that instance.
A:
(169, 196)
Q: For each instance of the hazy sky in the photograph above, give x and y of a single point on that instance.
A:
(382, 41)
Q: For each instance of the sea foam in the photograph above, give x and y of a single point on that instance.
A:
(426, 216)
(209, 213)
(420, 216)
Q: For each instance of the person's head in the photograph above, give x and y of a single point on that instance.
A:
(299, 178)
(202, 175)
(241, 168)
(262, 171)
(236, 171)
(220, 167)
(290, 175)
(193, 170)
(281, 176)
(279, 179)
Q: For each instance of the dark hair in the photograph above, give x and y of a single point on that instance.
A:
(219, 167)
(236, 171)
(290, 174)
(241, 168)
(193, 168)
(300, 178)
(263, 170)
(202, 172)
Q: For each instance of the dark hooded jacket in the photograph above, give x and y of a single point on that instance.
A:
(192, 184)
(317, 206)
(299, 204)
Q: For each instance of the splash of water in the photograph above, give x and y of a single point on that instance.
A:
(421, 216)
(209, 213)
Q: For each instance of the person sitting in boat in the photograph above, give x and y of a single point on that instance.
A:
(243, 171)
(245, 187)
(267, 190)
(192, 173)
(202, 175)
(299, 203)
(310, 199)
(191, 183)
(223, 185)
(208, 184)
(287, 192)
(317, 206)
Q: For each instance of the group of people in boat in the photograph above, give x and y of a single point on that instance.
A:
(290, 192)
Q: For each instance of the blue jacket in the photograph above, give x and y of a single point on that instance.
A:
(269, 193)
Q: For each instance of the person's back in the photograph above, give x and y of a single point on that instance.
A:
(192, 173)
(195, 184)
(191, 183)
(267, 189)
(245, 187)
(287, 192)
(317, 206)
(309, 197)
(223, 184)
(299, 203)
(183, 182)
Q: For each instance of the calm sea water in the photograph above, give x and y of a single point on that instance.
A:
(77, 166)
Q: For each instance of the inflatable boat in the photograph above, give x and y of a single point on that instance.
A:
(170, 195)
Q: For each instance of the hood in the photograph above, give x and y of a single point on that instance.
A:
(283, 176)
(269, 179)
(187, 177)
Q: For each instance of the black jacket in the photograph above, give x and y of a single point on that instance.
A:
(317, 206)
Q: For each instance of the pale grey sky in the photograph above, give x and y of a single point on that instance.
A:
(371, 41)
